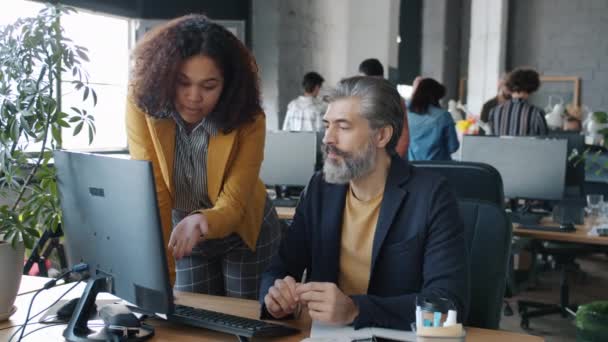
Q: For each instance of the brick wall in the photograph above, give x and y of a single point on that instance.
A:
(562, 37)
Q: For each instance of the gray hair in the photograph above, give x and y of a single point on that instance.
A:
(381, 104)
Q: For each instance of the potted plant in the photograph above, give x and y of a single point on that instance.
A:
(592, 322)
(596, 127)
(35, 61)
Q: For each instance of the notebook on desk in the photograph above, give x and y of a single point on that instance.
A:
(322, 332)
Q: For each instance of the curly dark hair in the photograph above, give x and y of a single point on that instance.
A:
(428, 93)
(159, 55)
(523, 80)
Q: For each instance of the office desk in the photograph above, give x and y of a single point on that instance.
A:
(286, 213)
(579, 236)
(166, 331)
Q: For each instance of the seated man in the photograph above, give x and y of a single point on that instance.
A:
(372, 231)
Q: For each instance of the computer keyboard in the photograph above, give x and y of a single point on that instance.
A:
(544, 228)
(524, 218)
(229, 324)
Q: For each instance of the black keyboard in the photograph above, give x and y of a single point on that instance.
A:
(524, 218)
(229, 324)
(545, 228)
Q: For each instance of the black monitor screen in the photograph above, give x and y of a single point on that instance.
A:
(531, 168)
(111, 222)
(575, 171)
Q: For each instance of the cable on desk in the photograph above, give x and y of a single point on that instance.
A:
(51, 283)
(45, 309)
(53, 325)
(57, 300)
(29, 292)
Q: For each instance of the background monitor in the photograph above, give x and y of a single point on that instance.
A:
(109, 207)
(289, 158)
(575, 170)
(531, 168)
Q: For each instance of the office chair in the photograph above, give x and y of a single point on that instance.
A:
(476, 181)
(468, 180)
(564, 255)
(488, 233)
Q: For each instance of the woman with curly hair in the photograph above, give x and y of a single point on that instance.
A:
(194, 111)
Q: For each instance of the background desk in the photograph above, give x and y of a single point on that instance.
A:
(286, 213)
(579, 236)
(166, 331)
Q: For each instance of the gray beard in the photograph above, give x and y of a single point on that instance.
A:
(350, 167)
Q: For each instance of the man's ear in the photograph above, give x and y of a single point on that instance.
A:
(383, 136)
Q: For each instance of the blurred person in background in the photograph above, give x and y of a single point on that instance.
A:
(432, 129)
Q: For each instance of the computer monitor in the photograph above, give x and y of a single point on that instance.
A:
(575, 167)
(111, 222)
(289, 158)
(531, 168)
(109, 206)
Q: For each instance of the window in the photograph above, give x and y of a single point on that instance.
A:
(108, 40)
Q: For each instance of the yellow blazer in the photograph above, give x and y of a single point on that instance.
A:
(233, 167)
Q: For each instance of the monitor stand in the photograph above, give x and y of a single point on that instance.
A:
(78, 330)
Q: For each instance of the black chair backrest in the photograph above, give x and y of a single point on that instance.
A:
(469, 180)
(488, 236)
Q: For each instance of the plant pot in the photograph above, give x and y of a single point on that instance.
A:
(11, 267)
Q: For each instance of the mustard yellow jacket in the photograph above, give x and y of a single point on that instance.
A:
(233, 166)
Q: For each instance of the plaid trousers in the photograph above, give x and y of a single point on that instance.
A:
(227, 267)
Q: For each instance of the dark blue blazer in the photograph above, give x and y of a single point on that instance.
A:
(418, 248)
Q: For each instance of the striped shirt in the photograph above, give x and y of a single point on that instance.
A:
(190, 165)
(517, 117)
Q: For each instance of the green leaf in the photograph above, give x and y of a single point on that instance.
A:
(86, 94)
(28, 241)
(62, 123)
(91, 135)
(94, 97)
(56, 133)
(78, 128)
(600, 117)
(32, 232)
(15, 130)
(75, 119)
(82, 55)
